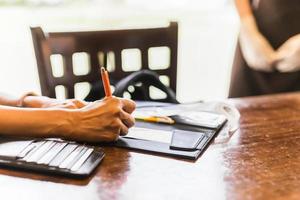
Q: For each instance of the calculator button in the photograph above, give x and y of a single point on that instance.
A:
(41, 151)
(36, 146)
(82, 159)
(52, 153)
(62, 155)
(26, 150)
(71, 158)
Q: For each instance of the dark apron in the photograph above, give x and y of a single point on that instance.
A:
(278, 20)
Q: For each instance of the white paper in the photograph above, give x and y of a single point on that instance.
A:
(150, 134)
(225, 109)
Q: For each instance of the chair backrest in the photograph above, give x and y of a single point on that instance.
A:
(103, 48)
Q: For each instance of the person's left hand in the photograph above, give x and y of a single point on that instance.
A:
(289, 55)
(68, 103)
(46, 102)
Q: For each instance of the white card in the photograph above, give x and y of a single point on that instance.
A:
(150, 134)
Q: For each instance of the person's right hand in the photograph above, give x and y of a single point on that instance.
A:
(101, 121)
(289, 54)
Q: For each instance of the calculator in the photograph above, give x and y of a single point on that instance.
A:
(52, 156)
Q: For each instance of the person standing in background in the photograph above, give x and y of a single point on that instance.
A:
(267, 58)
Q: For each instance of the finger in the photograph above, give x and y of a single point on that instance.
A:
(115, 137)
(280, 68)
(127, 119)
(128, 105)
(93, 105)
(69, 106)
(64, 105)
(123, 129)
(286, 66)
(79, 103)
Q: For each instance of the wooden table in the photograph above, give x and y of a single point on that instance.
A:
(260, 161)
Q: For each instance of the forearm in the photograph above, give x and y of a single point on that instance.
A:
(244, 8)
(33, 122)
(248, 26)
(256, 49)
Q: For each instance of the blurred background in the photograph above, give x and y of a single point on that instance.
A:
(207, 37)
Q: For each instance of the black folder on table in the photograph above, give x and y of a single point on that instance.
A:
(187, 141)
(52, 156)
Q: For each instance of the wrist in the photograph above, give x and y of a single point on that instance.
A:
(67, 124)
(64, 123)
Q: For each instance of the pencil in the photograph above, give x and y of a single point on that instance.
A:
(106, 83)
(164, 120)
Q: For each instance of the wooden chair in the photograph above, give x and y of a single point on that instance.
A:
(102, 48)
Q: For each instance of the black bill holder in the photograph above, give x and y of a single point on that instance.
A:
(190, 148)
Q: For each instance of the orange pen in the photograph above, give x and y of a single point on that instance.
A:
(106, 83)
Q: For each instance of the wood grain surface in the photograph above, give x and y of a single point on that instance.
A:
(260, 161)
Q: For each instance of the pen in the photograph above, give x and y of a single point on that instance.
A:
(165, 120)
(106, 83)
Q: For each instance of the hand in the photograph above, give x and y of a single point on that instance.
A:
(69, 104)
(102, 120)
(289, 55)
(46, 102)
